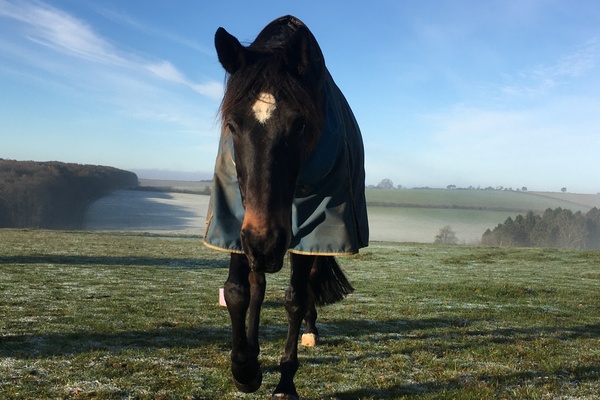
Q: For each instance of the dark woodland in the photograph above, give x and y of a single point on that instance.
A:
(54, 195)
(555, 228)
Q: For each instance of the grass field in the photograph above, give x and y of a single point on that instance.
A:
(489, 200)
(88, 315)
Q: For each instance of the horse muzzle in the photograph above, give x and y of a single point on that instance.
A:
(265, 251)
(264, 255)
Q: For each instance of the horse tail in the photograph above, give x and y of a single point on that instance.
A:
(327, 281)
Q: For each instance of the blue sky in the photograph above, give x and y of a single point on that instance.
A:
(470, 93)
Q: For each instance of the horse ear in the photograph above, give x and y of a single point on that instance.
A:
(230, 51)
(301, 56)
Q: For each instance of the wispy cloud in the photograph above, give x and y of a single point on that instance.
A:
(165, 70)
(55, 29)
(582, 60)
(530, 146)
(541, 79)
(58, 30)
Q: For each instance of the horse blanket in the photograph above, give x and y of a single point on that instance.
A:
(329, 214)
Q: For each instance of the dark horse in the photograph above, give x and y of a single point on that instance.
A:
(289, 177)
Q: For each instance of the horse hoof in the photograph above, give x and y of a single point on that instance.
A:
(309, 340)
(283, 396)
(249, 387)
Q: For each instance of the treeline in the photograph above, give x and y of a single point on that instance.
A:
(555, 228)
(54, 195)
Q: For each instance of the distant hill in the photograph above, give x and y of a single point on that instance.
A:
(54, 194)
(486, 200)
(174, 186)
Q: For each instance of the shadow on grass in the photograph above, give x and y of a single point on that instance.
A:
(373, 331)
(570, 376)
(418, 337)
(420, 333)
(168, 262)
(70, 344)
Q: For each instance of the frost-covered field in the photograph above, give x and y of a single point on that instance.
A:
(127, 315)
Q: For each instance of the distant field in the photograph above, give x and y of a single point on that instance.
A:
(586, 200)
(199, 187)
(417, 215)
(394, 215)
(89, 315)
(490, 200)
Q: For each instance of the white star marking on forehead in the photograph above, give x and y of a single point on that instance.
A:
(264, 107)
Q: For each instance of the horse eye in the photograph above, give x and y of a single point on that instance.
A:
(231, 129)
(299, 125)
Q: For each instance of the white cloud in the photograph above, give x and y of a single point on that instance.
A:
(61, 32)
(213, 89)
(540, 147)
(578, 63)
(567, 68)
(58, 30)
(165, 70)
(540, 131)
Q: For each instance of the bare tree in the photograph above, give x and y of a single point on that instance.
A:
(446, 236)
(385, 184)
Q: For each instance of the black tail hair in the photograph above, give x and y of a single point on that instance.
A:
(328, 282)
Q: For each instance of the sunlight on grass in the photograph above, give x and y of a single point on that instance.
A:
(115, 315)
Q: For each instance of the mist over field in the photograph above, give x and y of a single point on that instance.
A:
(394, 215)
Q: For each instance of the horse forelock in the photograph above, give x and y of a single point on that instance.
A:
(264, 73)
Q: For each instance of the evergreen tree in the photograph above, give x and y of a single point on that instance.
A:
(554, 228)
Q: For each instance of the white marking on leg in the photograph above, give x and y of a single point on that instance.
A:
(264, 107)
(309, 340)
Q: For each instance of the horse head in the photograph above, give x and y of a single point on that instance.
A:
(273, 111)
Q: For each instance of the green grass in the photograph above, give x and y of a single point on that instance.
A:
(114, 316)
(490, 200)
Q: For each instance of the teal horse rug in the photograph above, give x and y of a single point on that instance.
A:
(329, 213)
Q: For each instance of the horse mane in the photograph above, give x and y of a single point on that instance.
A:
(265, 71)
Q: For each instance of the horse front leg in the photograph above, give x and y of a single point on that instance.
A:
(296, 305)
(244, 294)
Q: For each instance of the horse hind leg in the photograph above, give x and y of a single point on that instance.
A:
(328, 284)
(310, 337)
(244, 291)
